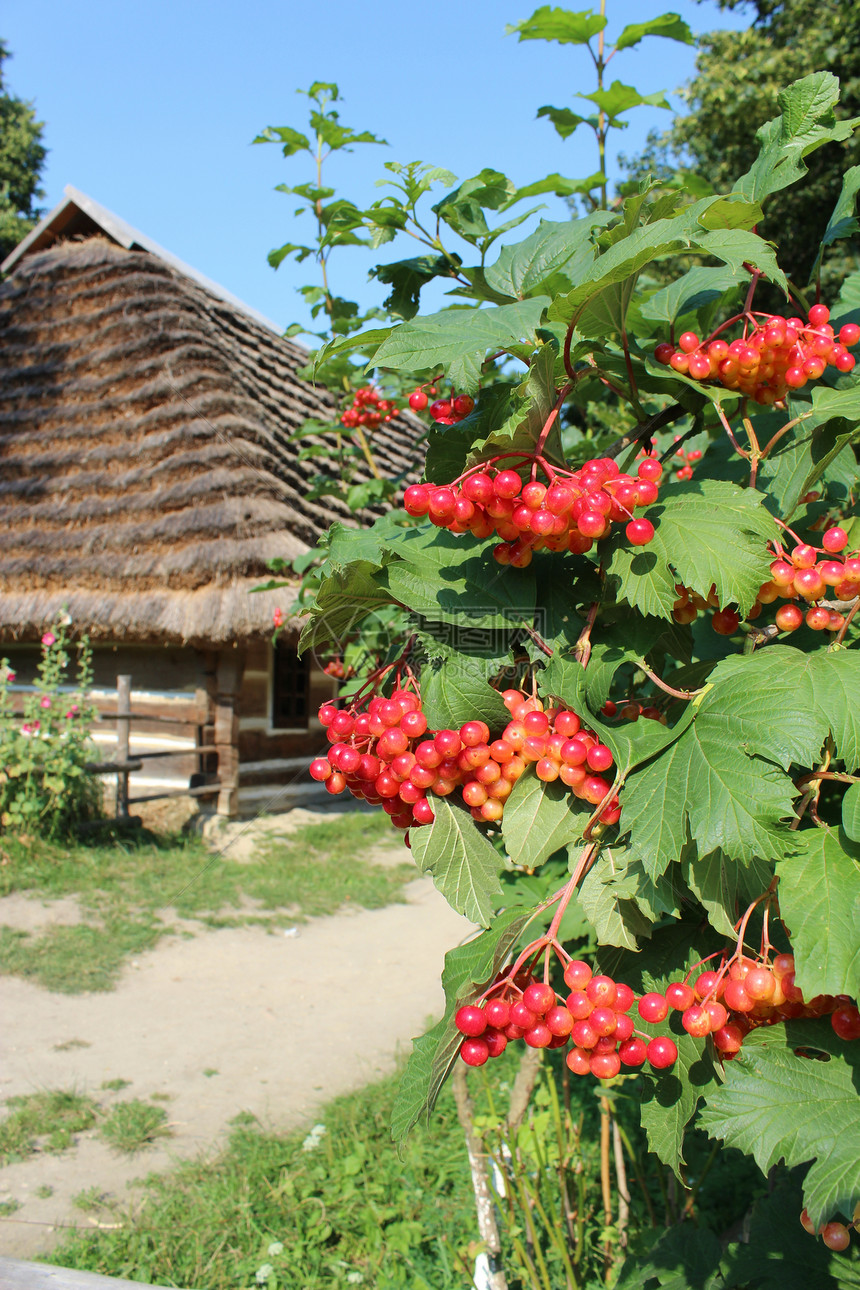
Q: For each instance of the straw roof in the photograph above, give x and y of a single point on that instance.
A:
(146, 468)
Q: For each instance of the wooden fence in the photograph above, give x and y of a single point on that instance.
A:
(126, 763)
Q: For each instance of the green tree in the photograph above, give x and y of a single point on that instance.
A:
(739, 74)
(22, 157)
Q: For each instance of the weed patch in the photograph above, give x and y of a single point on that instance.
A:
(46, 1121)
(134, 1125)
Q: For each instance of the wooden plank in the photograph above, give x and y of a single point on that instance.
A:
(16, 1274)
(112, 767)
(205, 790)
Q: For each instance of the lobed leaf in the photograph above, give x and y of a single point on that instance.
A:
(775, 1105)
(819, 902)
(540, 819)
(464, 866)
(468, 969)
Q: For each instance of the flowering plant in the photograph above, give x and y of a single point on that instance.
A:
(44, 783)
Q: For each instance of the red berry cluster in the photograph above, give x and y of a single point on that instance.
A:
(447, 412)
(778, 355)
(800, 573)
(594, 1019)
(381, 754)
(368, 409)
(690, 604)
(836, 1236)
(745, 993)
(632, 710)
(568, 514)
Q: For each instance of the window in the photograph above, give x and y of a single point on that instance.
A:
(290, 689)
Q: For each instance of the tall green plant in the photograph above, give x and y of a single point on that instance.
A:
(702, 631)
(44, 785)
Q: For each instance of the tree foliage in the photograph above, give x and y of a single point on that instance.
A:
(22, 157)
(738, 77)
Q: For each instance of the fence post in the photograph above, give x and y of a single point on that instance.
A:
(123, 722)
(228, 681)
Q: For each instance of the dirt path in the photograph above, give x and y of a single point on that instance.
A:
(227, 1021)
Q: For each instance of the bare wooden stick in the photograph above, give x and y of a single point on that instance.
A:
(523, 1086)
(488, 1228)
(621, 1183)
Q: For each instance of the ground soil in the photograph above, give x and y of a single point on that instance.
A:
(215, 1023)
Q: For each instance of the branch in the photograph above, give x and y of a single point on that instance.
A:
(668, 689)
(646, 429)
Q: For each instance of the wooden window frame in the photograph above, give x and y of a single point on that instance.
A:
(299, 725)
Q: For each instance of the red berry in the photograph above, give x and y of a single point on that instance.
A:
(470, 1020)
(539, 998)
(462, 405)
(605, 1065)
(679, 995)
(578, 1061)
(601, 991)
(639, 532)
(788, 618)
(496, 1041)
(624, 997)
(474, 1052)
(846, 1022)
(633, 1052)
(418, 400)
(539, 1035)
(650, 469)
(835, 1235)
(696, 1021)
(819, 315)
(661, 1052)
(498, 1013)
(320, 769)
(653, 1007)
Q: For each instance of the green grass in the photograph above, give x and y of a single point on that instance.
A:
(123, 884)
(115, 1085)
(46, 1121)
(134, 1125)
(44, 1191)
(349, 1205)
(9, 1207)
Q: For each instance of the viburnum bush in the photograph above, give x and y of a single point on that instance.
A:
(568, 652)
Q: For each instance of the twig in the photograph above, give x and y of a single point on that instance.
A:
(728, 429)
(487, 1226)
(646, 429)
(667, 689)
(621, 1183)
(606, 1181)
(523, 1086)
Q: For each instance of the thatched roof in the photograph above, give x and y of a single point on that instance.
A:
(146, 468)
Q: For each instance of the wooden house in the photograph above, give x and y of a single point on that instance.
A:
(148, 472)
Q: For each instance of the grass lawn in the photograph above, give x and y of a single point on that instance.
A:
(124, 884)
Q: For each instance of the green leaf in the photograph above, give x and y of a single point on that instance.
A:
(725, 885)
(810, 696)
(561, 25)
(407, 277)
(277, 257)
(777, 1106)
(779, 1254)
(621, 98)
(528, 266)
(705, 784)
(851, 812)
(456, 691)
(537, 396)
(819, 902)
(292, 141)
(445, 578)
(539, 819)
(345, 598)
(605, 896)
(696, 288)
(464, 866)
(710, 533)
(458, 340)
(681, 1258)
(710, 225)
(668, 25)
(807, 121)
(565, 120)
(468, 969)
(561, 186)
(843, 222)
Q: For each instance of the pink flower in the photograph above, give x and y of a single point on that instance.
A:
(73, 710)
(44, 702)
(26, 730)
(10, 677)
(49, 639)
(278, 617)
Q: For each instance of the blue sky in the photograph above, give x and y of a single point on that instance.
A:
(150, 108)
